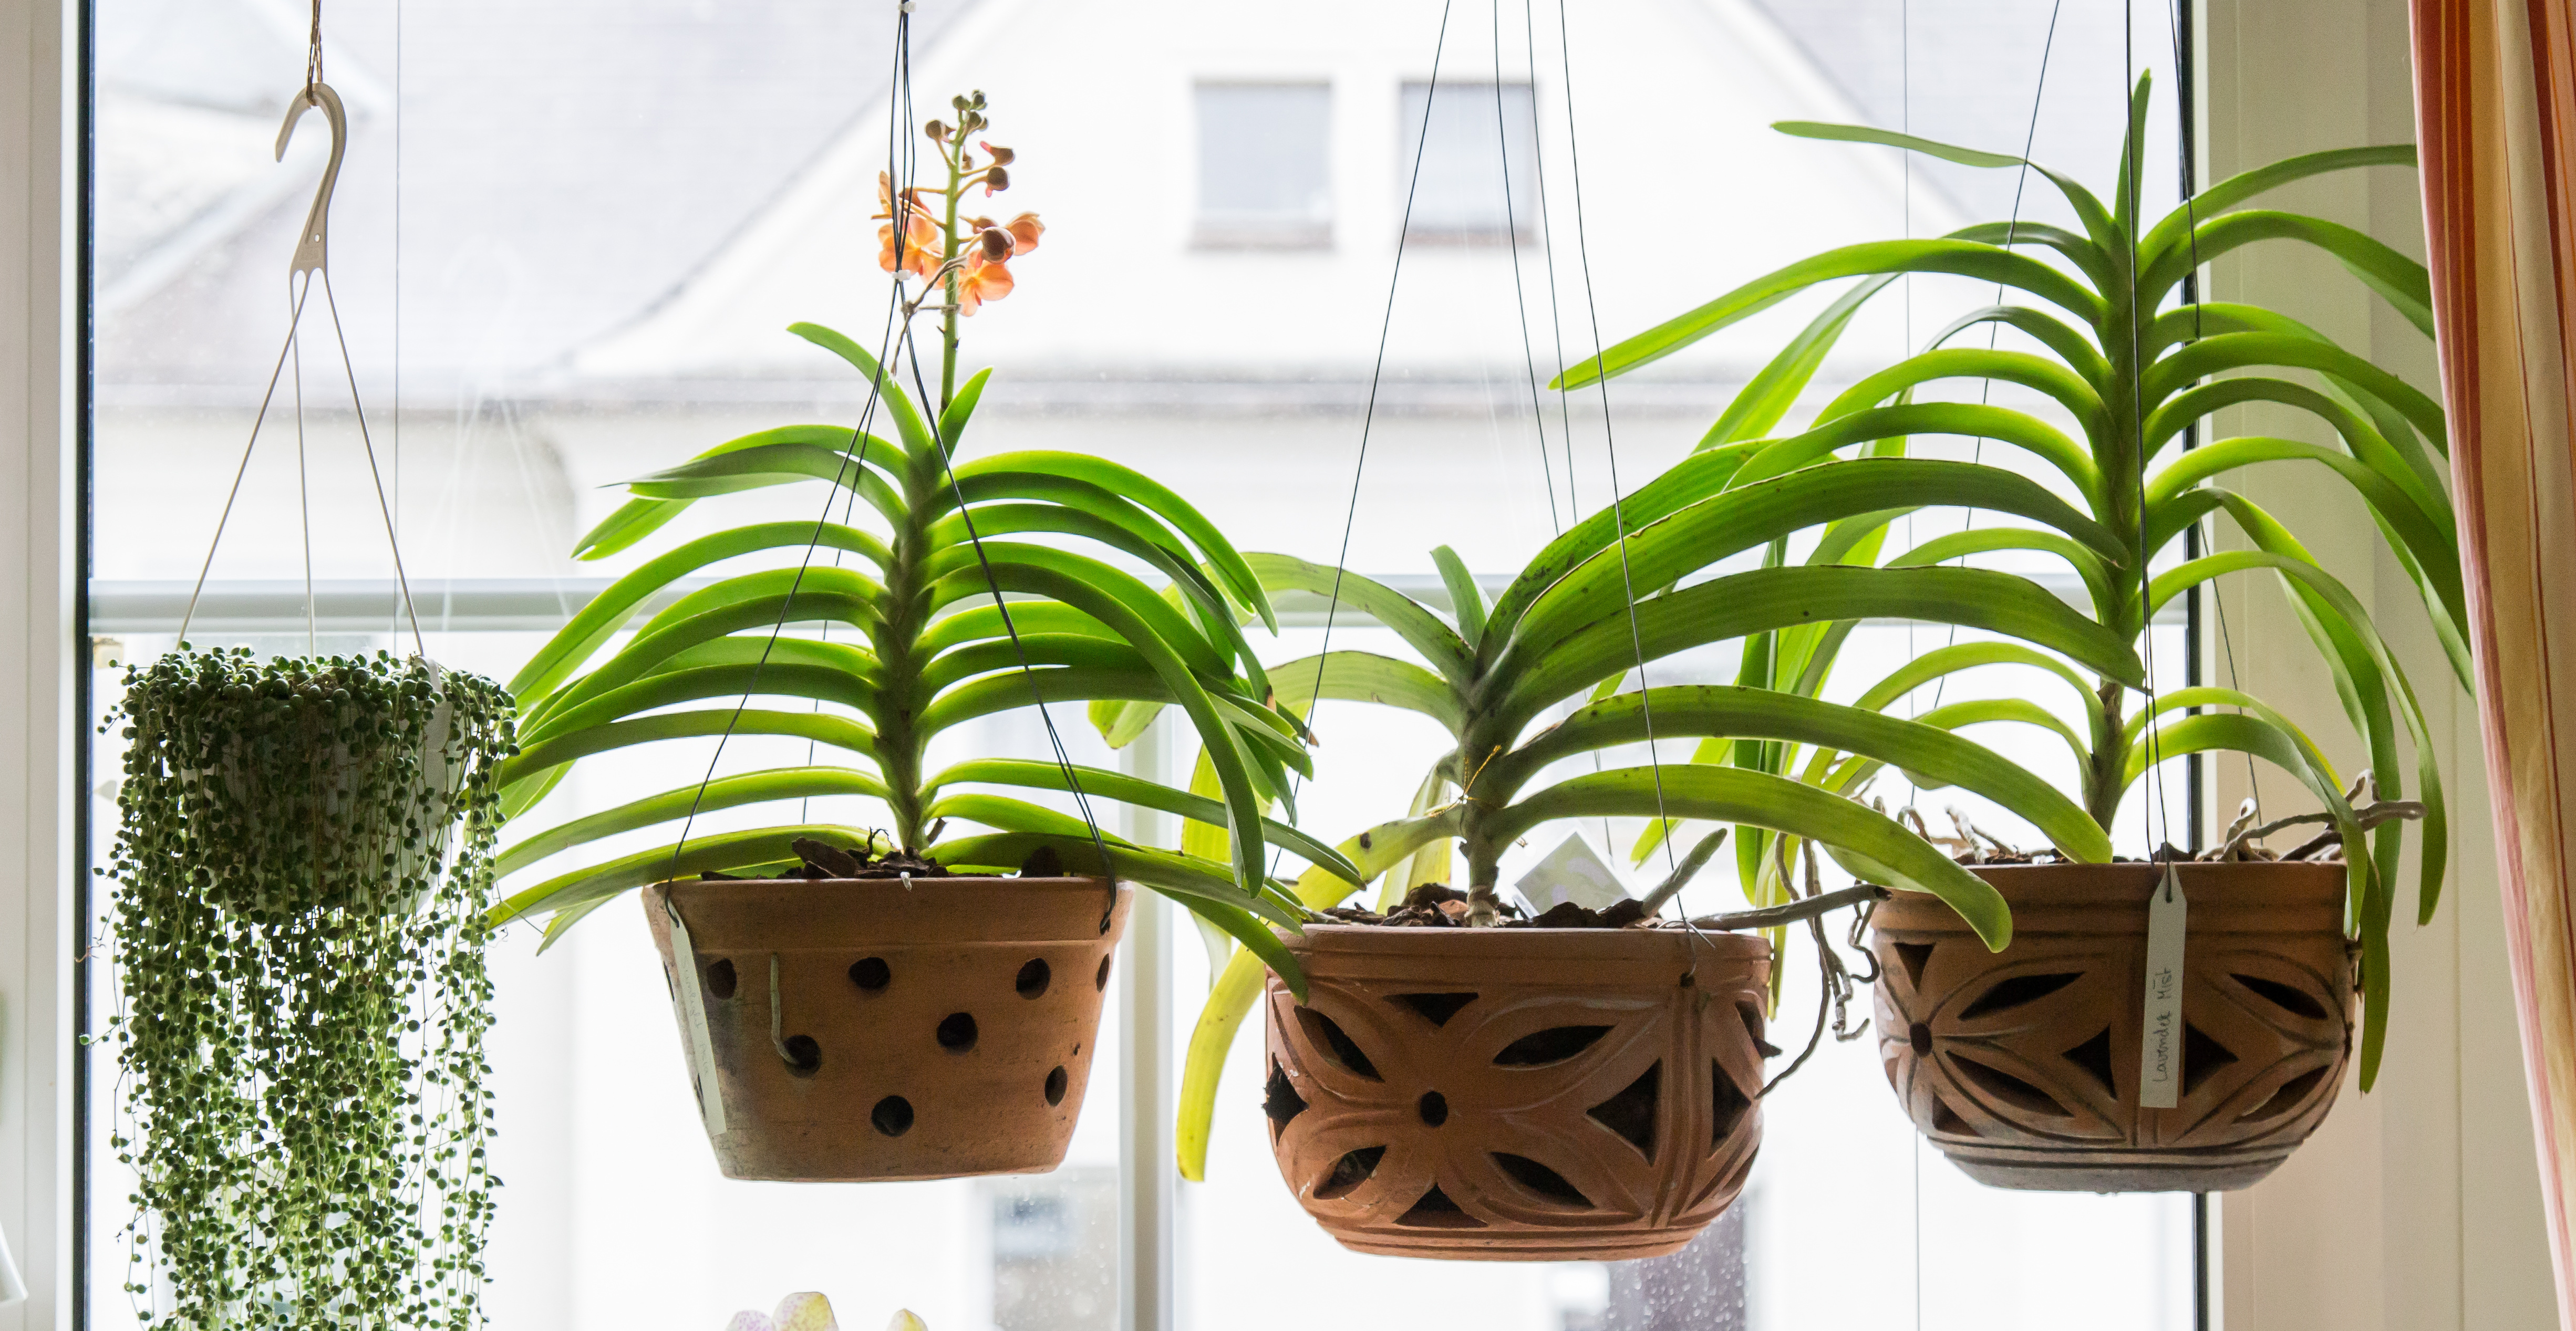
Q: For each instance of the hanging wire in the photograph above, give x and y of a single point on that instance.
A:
(1995, 330)
(1609, 437)
(1512, 231)
(2185, 171)
(1377, 373)
(902, 163)
(2158, 812)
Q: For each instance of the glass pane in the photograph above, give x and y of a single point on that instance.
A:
(1265, 172)
(1460, 185)
(564, 245)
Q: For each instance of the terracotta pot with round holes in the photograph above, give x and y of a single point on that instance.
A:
(931, 1030)
(2022, 1065)
(1517, 1094)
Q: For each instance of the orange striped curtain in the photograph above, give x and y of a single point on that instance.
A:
(2495, 106)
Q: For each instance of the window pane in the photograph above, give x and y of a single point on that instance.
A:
(1463, 187)
(543, 305)
(1265, 169)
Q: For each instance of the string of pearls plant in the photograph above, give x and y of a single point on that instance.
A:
(300, 878)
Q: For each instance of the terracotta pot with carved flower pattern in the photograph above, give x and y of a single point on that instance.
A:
(1517, 1094)
(2023, 1067)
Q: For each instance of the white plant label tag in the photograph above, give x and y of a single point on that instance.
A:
(692, 1004)
(2160, 1069)
(1571, 872)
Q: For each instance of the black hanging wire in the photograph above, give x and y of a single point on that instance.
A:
(1377, 372)
(2012, 232)
(1609, 438)
(902, 165)
(1512, 233)
(2157, 812)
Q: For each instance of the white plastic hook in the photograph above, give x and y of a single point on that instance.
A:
(313, 247)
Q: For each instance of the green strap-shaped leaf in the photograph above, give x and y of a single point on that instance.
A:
(2070, 344)
(1141, 490)
(2171, 232)
(2088, 209)
(907, 417)
(1723, 710)
(1726, 794)
(547, 758)
(715, 852)
(2245, 351)
(1986, 263)
(2012, 367)
(1096, 585)
(669, 690)
(2399, 280)
(1058, 578)
(1766, 397)
(1100, 783)
(1751, 602)
(1752, 515)
(595, 623)
(639, 518)
(783, 783)
(1965, 420)
(768, 465)
(1421, 630)
(1466, 599)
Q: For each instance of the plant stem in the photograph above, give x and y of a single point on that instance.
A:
(948, 259)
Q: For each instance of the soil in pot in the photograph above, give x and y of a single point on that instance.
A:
(2022, 1065)
(916, 1028)
(1517, 1094)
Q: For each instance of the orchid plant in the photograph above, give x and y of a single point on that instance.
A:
(2119, 347)
(952, 619)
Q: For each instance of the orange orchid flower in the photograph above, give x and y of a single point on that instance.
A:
(981, 280)
(1025, 230)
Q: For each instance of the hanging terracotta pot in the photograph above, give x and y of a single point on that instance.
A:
(872, 1029)
(2022, 1065)
(1517, 1094)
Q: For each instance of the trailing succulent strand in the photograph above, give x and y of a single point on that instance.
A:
(301, 875)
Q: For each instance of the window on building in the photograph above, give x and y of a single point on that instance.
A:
(1470, 164)
(1265, 165)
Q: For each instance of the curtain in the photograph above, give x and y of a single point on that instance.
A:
(2495, 105)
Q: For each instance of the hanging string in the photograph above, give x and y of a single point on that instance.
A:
(1994, 330)
(1609, 437)
(2158, 812)
(313, 58)
(1512, 232)
(902, 163)
(303, 476)
(1377, 373)
(2186, 173)
(311, 263)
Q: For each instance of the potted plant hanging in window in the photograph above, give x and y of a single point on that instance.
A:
(303, 860)
(2032, 1067)
(864, 1003)
(1586, 1085)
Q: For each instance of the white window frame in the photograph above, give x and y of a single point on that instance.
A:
(40, 682)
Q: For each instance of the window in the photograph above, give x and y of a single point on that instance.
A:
(538, 315)
(1477, 155)
(1265, 165)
